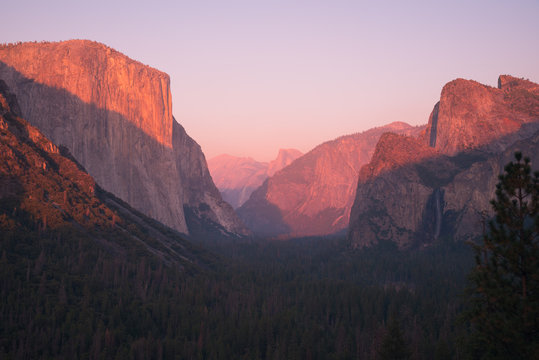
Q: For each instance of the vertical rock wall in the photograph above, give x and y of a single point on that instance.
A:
(115, 116)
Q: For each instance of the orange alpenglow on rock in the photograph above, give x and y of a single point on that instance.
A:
(314, 194)
(114, 114)
(471, 115)
(415, 191)
(100, 76)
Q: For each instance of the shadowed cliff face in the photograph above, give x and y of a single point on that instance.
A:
(415, 191)
(45, 193)
(314, 194)
(115, 117)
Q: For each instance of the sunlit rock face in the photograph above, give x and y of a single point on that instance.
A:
(416, 191)
(238, 177)
(470, 115)
(283, 159)
(114, 114)
(314, 194)
(44, 191)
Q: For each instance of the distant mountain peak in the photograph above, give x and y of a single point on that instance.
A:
(237, 177)
(313, 195)
(284, 158)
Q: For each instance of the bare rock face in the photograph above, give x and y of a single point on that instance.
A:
(284, 158)
(470, 115)
(314, 194)
(400, 193)
(44, 191)
(115, 116)
(415, 191)
(238, 177)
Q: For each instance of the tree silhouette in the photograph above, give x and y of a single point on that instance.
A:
(504, 311)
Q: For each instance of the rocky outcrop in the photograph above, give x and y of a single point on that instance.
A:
(470, 115)
(314, 194)
(238, 177)
(416, 191)
(284, 158)
(115, 116)
(401, 193)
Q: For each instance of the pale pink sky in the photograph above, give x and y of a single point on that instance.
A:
(250, 77)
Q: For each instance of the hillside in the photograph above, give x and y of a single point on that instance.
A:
(314, 194)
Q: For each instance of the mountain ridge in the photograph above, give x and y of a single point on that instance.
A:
(314, 194)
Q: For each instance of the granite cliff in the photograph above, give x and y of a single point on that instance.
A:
(415, 191)
(115, 116)
(314, 194)
(471, 115)
(238, 177)
(45, 193)
(284, 158)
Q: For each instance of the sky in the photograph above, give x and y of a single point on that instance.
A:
(250, 77)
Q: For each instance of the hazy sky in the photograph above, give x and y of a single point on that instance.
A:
(250, 77)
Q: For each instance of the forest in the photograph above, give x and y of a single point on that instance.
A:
(119, 285)
(65, 297)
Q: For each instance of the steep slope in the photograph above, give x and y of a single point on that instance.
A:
(314, 194)
(443, 187)
(81, 272)
(46, 194)
(238, 177)
(115, 116)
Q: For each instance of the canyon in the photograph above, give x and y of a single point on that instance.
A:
(114, 115)
(410, 185)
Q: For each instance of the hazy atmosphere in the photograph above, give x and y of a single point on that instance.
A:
(283, 193)
(250, 77)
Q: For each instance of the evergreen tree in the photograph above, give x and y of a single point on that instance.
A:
(394, 346)
(504, 311)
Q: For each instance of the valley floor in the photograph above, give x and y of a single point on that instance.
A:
(300, 299)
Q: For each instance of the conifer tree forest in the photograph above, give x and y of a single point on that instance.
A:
(504, 292)
(66, 296)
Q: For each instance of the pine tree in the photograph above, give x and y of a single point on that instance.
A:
(394, 346)
(504, 292)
